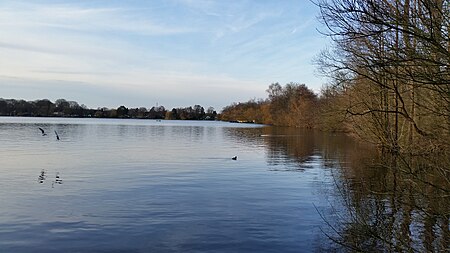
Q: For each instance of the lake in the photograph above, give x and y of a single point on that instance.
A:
(123, 185)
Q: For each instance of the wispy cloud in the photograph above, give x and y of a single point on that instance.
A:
(84, 19)
(176, 48)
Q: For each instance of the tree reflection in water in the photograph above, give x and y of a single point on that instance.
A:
(381, 202)
(394, 204)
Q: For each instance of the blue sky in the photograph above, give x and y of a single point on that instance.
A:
(172, 52)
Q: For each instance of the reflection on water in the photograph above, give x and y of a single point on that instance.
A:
(394, 206)
(379, 202)
(171, 186)
(57, 181)
(133, 186)
(42, 177)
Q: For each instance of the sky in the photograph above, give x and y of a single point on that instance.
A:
(174, 53)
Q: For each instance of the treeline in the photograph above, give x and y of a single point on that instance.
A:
(389, 72)
(64, 108)
(389, 68)
(290, 105)
(390, 85)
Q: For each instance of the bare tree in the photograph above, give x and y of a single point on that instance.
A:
(392, 59)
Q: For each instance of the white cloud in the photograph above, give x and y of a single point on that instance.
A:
(188, 50)
(76, 18)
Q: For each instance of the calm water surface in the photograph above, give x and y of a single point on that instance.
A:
(168, 186)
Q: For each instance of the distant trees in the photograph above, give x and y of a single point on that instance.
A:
(122, 112)
(158, 112)
(290, 105)
(70, 108)
(12, 107)
(254, 111)
(191, 113)
(64, 108)
(4, 110)
(42, 108)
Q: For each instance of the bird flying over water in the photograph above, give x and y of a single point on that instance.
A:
(43, 132)
(57, 136)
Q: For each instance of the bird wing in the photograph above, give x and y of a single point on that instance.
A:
(42, 130)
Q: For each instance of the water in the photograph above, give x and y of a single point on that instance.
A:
(163, 186)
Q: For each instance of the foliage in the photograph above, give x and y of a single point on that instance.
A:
(192, 113)
(391, 69)
(290, 105)
(252, 112)
(64, 108)
(390, 85)
(392, 203)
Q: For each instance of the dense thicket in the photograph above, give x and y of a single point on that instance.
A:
(192, 113)
(290, 105)
(64, 108)
(390, 70)
(390, 85)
